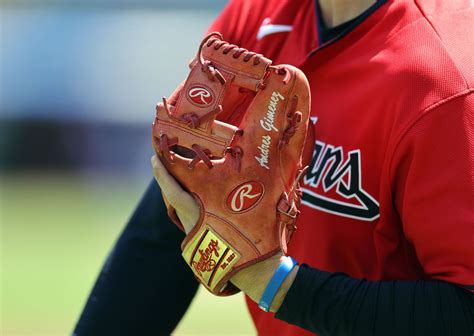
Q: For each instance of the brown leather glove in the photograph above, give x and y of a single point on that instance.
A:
(243, 173)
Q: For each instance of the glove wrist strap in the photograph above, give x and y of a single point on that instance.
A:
(286, 266)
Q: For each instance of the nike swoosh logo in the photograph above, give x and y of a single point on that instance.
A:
(267, 29)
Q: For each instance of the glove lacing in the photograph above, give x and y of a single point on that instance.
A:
(294, 118)
(216, 40)
(236, 154)
(164, 144)
(203, 155)
(192, 120)
(288, 209)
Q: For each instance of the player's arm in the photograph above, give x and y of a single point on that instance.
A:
(144, 287)
(335, 304)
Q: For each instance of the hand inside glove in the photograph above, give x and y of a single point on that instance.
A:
(187, 209)
(251, 280)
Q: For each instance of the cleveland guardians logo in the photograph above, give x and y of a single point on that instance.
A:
(200, 95)
(336, 184)
(245, 196)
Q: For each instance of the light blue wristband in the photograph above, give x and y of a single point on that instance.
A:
(286, 266)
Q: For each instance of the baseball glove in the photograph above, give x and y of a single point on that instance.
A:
(243, 170)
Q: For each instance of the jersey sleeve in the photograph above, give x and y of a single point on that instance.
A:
(434, 192)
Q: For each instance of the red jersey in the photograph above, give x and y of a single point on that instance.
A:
(390, 191)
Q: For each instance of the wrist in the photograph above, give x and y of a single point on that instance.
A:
(283, 290)
(254, 279)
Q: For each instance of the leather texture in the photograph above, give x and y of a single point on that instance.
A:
(244, 171)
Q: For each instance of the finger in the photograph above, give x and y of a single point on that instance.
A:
(167, 182)
(189, 218)
(185, 205)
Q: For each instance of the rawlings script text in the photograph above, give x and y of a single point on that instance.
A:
(205, 262)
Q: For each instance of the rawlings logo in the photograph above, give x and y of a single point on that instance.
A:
(209, 256)
(205, 262)
(245, 196)
(200, 95)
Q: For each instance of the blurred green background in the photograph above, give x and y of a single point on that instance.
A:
(56, 231)
(79, 80)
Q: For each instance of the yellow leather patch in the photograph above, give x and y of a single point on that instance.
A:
(209, 256)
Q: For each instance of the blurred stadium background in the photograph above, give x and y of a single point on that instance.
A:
(78, 84)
